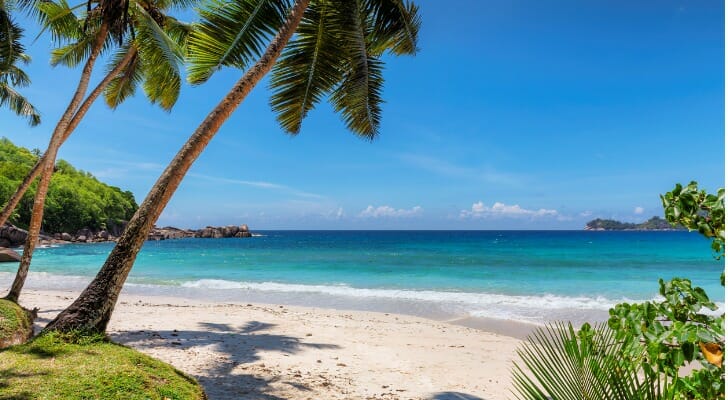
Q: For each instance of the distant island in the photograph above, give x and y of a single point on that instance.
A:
(652, 224)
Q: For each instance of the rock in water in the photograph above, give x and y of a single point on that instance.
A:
(8, 255)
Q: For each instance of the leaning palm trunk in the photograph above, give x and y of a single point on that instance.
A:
(77, 117)
(47, 166)
(93, 308)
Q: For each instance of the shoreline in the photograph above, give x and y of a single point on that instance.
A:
(270, 351)
(503, 314)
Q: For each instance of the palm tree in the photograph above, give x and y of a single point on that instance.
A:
(12, 54)
(161, 80)
(233, 34)
(151, 58)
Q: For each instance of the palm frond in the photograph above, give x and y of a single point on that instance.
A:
(10, 46)
(153, 36)
(178, 31)
(162, 57)
(11, 53)
(560, 363)
(396, 26)
(29, 7)
(232, 33)
(79, 48)
(72, 54)
(18, 104)
(14, 76)
(176, 4)
(309, 68)
(60, 20)
(358, 97)
(123, 85)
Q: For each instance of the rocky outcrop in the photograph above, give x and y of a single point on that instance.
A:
(223, 232)
(209, 232)
(169, 232)
(85, 235)
(11, 236)
(8, 255)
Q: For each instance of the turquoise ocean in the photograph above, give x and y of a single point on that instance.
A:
(530, 276)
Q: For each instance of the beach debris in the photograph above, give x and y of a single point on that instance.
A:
(712, 353)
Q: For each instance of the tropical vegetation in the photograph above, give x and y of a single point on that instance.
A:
(672, 348)
(12, 56)
(76, 199)
(336, 52)
(151, 49)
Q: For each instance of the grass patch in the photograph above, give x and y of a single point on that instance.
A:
(55, 366)
(16, 324)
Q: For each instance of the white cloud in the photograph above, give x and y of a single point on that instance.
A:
(259, 184)
(335, 214)
(586, 213)
(639, 210)
(480, 210)
(121, 169)
(387, 211)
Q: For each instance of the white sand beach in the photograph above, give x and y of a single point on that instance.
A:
(259, 351)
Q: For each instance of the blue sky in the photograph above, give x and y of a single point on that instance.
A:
(514, 115)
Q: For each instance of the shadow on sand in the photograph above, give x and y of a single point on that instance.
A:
(238, 345)
(454, 396)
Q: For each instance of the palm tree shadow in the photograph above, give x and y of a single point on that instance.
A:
(453, 396)
(240, 346)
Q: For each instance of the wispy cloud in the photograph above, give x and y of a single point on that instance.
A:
(259, 184)
(120, 169)
(391, 212)
(446, 168)
(498, 209)
(639, 210)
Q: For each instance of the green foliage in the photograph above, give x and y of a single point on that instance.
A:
(159, 43)
(56, 366)
(335, 53)
(583, 365)
(75, 199)
(674, 344)
(697, 210)
(232, 33)
(666, 335)
(11, 76)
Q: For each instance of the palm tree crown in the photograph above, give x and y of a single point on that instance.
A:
(152, 50)
(336, 52)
